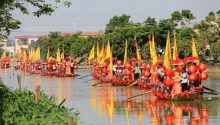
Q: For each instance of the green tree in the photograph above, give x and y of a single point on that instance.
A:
(117, 22)
(210, 17)
(177, 17)
(8, 23)
(187, 16)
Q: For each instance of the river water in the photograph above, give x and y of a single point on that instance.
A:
(107, 105)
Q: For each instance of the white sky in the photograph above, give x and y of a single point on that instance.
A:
(93, 15)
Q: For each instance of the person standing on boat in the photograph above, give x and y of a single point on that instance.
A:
(177, 88)
(72, 66)
(68, 70)
(160, 72)
(184, 80)
(137, 71)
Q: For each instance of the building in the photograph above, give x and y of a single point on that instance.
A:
(22, 42)
(3, 43)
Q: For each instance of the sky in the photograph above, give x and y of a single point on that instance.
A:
(93, 15)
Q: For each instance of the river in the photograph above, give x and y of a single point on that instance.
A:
(107, 105)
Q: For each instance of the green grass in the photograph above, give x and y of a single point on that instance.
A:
(19, 107)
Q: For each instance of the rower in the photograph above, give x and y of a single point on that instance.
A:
(137, 71)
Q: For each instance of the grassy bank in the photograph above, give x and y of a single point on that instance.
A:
(20, 107)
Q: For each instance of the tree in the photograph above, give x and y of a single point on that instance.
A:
(176, 16)
(8, 23)
(117, 22)
(210, 17)
(187, 16)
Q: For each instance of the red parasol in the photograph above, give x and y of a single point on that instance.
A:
(190, 59)
(71, 57)
(133, 59)
(159, 59)
(108, 59)
(178, 62)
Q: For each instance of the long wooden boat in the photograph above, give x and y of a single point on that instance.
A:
(5, 66)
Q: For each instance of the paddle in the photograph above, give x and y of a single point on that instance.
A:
(83, 76)
(213, 93)
(134, 83)
(209, 89)
(139, 95)
(96, 84)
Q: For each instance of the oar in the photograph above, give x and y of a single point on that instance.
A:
(213, 93)
(96, 84)
(139, 95)
(134, 83)
(209, 89)
(83, 76)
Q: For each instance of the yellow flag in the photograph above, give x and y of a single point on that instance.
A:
(102, 54)
(138, 51)
(3, 55)
(126, 53)
(97, 53)
(58, 55)
(48, 54)
(24, 56)
(91, 54)
(62, 54)
(111, 67)
(36, 54)
(166, 62)
(175, 52)
(194, 51)
(154, 53)
(108, 51)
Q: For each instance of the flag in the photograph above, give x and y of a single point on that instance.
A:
(48, 54)
(175, 52)
(91, 54)
(3, 55)
(166, 62)
(24, 56)
(126, 53)
(62, 54)
(153, 49)
(108, 51)
(111, 67)
(58, 55)
(37, 54)
(97, 53)
(138, 51)
(102, 54)
(194, 51)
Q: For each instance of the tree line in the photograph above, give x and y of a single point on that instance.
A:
(121, 28)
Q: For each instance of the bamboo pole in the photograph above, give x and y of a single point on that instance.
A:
(19, 81)
(37, 93)
(70, 120)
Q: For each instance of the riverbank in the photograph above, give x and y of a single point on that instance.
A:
(20, 107)
(215, 68)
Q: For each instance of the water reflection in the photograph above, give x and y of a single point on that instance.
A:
(106, 105)
(160, 112)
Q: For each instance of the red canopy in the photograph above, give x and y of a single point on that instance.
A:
(71, 57)
(159, 58)
(178, 62)
(190, 59)
(133, 59)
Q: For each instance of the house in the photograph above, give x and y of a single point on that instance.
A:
(22, 42)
